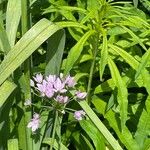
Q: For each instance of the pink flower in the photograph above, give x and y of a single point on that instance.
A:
(59, 86)
(51, 78)
(81, 95)
(79, 114)
(27, 102)
(42, 87)
(70, 81)
(38, 78)
(49, 92)
(34, 123)
(62, 99)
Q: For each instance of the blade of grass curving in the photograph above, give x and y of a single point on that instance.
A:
(125, 137)
(143, 127)
(40, 32)
(13, 144)
(13, 15)
(100, 126)
(6, 89)
(76, 51)
(56, 44)
(94, 134)
(122, 95)
(104, 55)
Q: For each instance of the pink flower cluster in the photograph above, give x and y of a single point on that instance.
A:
(55, 88)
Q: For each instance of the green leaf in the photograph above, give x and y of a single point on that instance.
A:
(56, 44)
(122, 95)
(6, 89)
(76, 51)
(4, 43)
(143, 128)
(145, 59)
(135, 37)
(56, 145)
(100, 126)
(13, 15)
(13, 144)
(94, 134)
(104, 55)
(125, 136)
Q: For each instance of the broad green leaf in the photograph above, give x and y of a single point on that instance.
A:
(76, 51)
(104, 55)
(143, 128)
(26, 46)
(56, 145)
(13, 144)
(122, 94)
(94, 134)
(100, 126)
(55, 49)
(125, 136)
(5, 90)
(13, 15)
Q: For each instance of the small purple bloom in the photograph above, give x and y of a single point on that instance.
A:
(79, 114)
(81, 95)
(27, 102)
(51, 78)
(49, 92)
(34, 123)
(59, 86)
(42, 87)
(32, 83)
(70, 81)
(62, 99)
(38, 78)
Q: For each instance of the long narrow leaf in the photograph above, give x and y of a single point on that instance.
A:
(122, 92)
(76, 51)
(13, 15)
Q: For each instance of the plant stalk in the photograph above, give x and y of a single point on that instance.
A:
(95, 49)
(54, 129)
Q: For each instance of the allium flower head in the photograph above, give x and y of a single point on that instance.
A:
(34, 123)
(79, 114)
(49, 92)
(38, 78)
(27, 102)
(81, 95)
(62, 99)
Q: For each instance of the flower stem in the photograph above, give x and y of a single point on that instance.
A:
(54, 129)
(95, 49)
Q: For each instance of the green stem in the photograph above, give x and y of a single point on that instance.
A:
(27, 93)
(95, 49)
(54, 129)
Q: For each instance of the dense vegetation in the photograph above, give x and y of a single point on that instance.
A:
(74, 74)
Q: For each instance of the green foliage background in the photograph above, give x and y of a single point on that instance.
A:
(104, 44)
